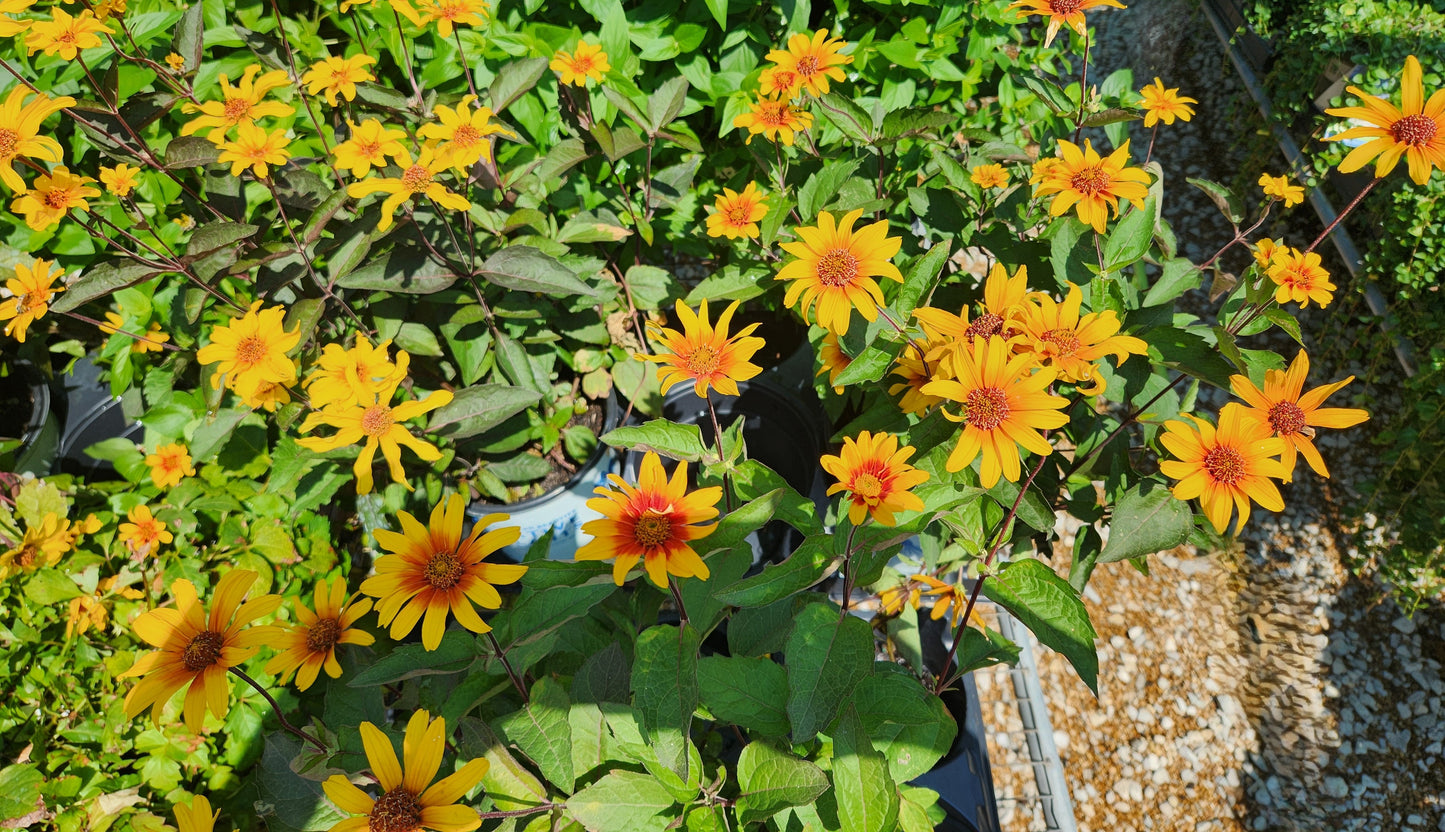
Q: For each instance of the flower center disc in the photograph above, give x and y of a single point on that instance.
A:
(986, 325)
(739, 214)
(987, 407)
(774, 113)
(466, 135)
(250, 350)
(1090, 181)
(1286, 418)
(29, 553)
(1065, 341)
(322, 635)
(8, 141)
(203, 651)
(808, 65)
(868, 486)
(1416, 130)
(376, 420)
(652, 529)
(416, 178)
(57, 198)
(237, 109)
(1065, 6)
(703, 360)
(1225, 465)
(837, 268)
(444, 570)
(395, 811)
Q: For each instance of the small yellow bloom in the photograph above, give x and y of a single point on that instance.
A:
(1226, 466)
(20, 131)
(238, 105)
(948, 598)
(814, 59)
(779, 82)
(587, 63)
(121, 179)
(703, 353)
(1416, 130)
(252, 349)
(1071, 343)
(42, 546)
(105, 9)
(1278, 187)
(989, 176)
(338, 76)
(63, 34)
(185, 221)
(835, 267)
(370, 145)
(737, 214)
(449, 13)
(144, 534)
(175, 62)
(255, 148)
(417, 178)
(916, 372)
(777, 120)
(463, 133)
(1092, 184)
(1294, 414)
(1061, 13)
(1164, 105)
(267, 395)
(31, 289)
(170, 464)
(53, 197)
(353, 376)
(309, 645)
(1264, 251)
(1299, 277)
(876, 474)
(833, 361)
(90, 611)
(196, 817)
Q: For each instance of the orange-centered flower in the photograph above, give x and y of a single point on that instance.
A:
(588, 63)
(252, 349)
(703, 353)
(338, 76)
(1003, 406)
(170, 464)
(195, 649)
(409, 800)
(1164, 105)
(121, 179)
(1003, 299)
(53, 197)
(652, 522)
(1093, 184)
(463, 133)
(144, 534)
(31, 289)
(876, 474)
(1416, 130)
(1278, 187)
(832, 360)
(309, 644)
(1226, 466)
(813, 60)
(1299, 277)
(736, 214)
(151, 341)
(42, 545)
(256, 149)
(447, 14)
(370, 145)
(353, 376)
(238, 105)
(916, 371)
(63, 34)
(776, 119)
(989, 176)
(835, 267)
(779, 82)
(417, 178)
(1070, 343)
(20, 131)
(1061, 13)
(176, 62)
(429, 573)
(1293, 414)
(1264, 251)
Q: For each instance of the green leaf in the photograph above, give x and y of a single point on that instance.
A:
(603, 677)
(822, 186)
(669, 439)
(664, 681)
(405, 270)
(1222, 197)
(20, 790)
(507, 781)
(908, 725)
(527, 269)
(1052, 609)
(1146, 521)
(867, 798)
(541, 730)
(99, 280)
(806, 566)
(189, 33)
(828, 655)
(1177, 277)
(754, 631)
(626, 105)
(976, 650)
(918, 281)
(729, 284)
(719, 9)
(726, 566)
(218, 234)
(1188, 352)
(567, 154)
(770, 780)
(49, 586)
(664, 104)
(515, 78)
(1049, 92)
(913, 121)
(455, 653)
(752, 479)
(849, 118)
(1131, 237)
(741, 522)
(190, 152)
(1033, 509)
(1113, 115)
(622, 800)
(747, 692)
(871, 363)
(480, 408)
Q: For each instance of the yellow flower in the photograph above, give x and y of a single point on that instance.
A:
(106, 8)
(170, 464)
(196, 817)
(309, 645)
(268, 395)
(252, 349)
(463, 133)
(652, 522)
(119, 180)
(1092, 183)
(736, 214)
(1293, 414)
(31, 288)
(588, 63)
(989, 176)
(1299, 277)
(777, 120)
(705, 354)
(175, 62)
(835, 269)
(1003, 302)
(1060, 13)
(238, 105)
(909, 593)
(408, 800)
(53, 197)
(833, 360)
(63, 34)
(949, 598)
(876, 474)
(89, 611)
(378, 425)
(1278, 187)
(144, 534)
(1062, 339)
(195, 649)
(1164, 105)
(255, 148)
(417, 177)
(432, 571)
(370, 144)
(185, 221)
(1040, 169)
(351, 376)
(915, 372)
(9, 26)
(448, 13)
(779, 82)
(1224, 467)
(338, 76)
(1416, 130)
(20, 131)
(42, 546)
(814, 59)
(1264, 251)
(152, 341)
(1004, 405)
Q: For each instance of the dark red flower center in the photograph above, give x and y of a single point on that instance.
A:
(395, 811)
(1225, 465)
(837, 268)
(652, 529)
(203, 651)
(1286, 418)
(322, 635)
(444, 570)
(1416, 130)
(1090, 181)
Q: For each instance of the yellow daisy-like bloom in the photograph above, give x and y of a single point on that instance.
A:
(814, 59)
(20, 132)
(1062, 339)
(1004, 406)
(1093, 184)
(433, 571)
(777, 120)
(907, 594)
(378, 425)
(737, 214)
(252, 349)
(121, 179)
(53, 197)
(1299, 277)
(238, 105)
(915, 372)
(1278, 187)
(1264, 251)
(703, 353)
(833, 360)
(779, 82)
(1061, 13)
(309, 645)
(90, 612)
(9, 26)
(144, 534)
(1226, 466)
(195, 649)
(835, 267)
(151, 341)
(351, 376)
(31, 288)
(1040, 169)
(463, 133)
(1293, 414)
(409, 800)
(63, 34)
(447, 14)
(1416, 130)
(587, 63)
(370, 144)
(175, 62)
(267, 395)
(42, 546)
(196, 817)
(875, 473)
(417, 178)
(1164, 105)
(255, 148)
(1003, 301)
(652, 522)
(338, 76)
(989, 176)
(170, 464)
(105, 9)
(949, 600)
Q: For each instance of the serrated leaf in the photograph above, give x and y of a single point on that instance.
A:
(909, 725)
(1113, 115)
(480, 408)
(806, 566)
(770, 780)
(747, 692)
(622, 800)
(541, 730)
(1131, 237)
(867, 797)
(664, 682)
(455, 653)
(669, 439)
(1146, 521)
(828, 656)
(507, 781)
(515, 78)
(1051, 609)
(99, 280)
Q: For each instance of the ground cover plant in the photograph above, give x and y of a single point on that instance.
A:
(300, 236)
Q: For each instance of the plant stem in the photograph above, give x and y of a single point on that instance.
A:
(1083, 88)
(117, 331)
(1124, 424)
(677, 599)
(517, 813)
(848, 568)
(1239, 236)
(319, 745)
(1345, 213)
(516, 680)
(717, 436)
(1153, 134)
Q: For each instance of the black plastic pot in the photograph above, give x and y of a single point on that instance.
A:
(91, 415)
(31, 417)
(963, 778)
